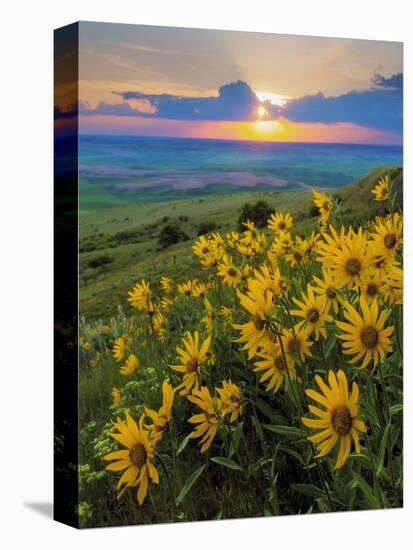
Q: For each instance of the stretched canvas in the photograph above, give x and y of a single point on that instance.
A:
(228, 274)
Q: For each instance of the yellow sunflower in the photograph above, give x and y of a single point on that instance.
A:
(119, 348)
(296, 343)
(208, 319)
(192, 359)
(159, 325)
(166, 284)
(381, 190)
(163, 416)
(116, 396)
(324, 203)
(229, 272)
(351, 261)
(387, 237)
(280, 222)
(313, 311)
(140, 296)
(136, 459)
(393, 284)
(230, 399)
(207, 420)
(365, 335)
(339, 421)
(327, 287)
(130, 366)
(259, 305)
(187, 287)
(273, 366)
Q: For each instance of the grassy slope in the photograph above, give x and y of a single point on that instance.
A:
(104, 287)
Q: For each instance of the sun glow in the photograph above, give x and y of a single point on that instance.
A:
(261, 111)
(274, 99)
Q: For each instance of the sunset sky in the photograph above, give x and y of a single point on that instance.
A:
(161, 81)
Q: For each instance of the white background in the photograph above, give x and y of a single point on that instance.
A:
(27, 279)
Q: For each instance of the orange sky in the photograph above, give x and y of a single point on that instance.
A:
(278, 130)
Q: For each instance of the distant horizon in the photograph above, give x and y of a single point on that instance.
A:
(241, 140)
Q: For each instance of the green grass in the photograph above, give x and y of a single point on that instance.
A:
(139, 256)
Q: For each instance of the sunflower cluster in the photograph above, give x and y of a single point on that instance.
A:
(262, 320)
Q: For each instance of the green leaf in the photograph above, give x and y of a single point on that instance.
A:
(265, 408)
(258, 428)
(382, 450)
(236, 435)
(227, 462)
(308, 489)
(183, 444)
(288, 431)
(394, 409)
(367, 491)
(189, 483)
(296, 454)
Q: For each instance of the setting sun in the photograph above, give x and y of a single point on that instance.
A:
(261, 111)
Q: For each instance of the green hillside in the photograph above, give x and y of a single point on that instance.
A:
(120, 245)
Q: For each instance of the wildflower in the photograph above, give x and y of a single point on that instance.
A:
(296, 343)
(136, 459)
(364, 335)
(230, 399)
(119, 348)
(313, 311)
(208, 320)
(327, 288)
(116, 396)
(186, 288)
(273, 366)
(324, 203)
(280, 222)
(166, 284)
(139, 296)
(259, 304)
(163, 416)
(207, 420)
(381, 190)
(130, 366)
(229, 272)
(199, 290)
(350, 260)
(339, 422)
(387, 237)
(192, 359)
(393, 284)
(159, 325)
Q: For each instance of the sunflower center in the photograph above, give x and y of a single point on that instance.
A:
(297, 256)
(353, 266)
(325, 205)
(294, 345)
(281, 225)
(372, 289)
(234, 399)
(331, 294)
(369, 336)
(389, 240)
(232, 272)
(279, 363)
(205, 250)
(258, 322)
(313, 315)
(192, 365)
(341, 420)
(137, 455)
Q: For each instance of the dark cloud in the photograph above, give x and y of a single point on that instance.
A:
(378, 108)
(235, 101)
(394, 82)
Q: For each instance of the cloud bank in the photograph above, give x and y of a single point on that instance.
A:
(379, 108)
